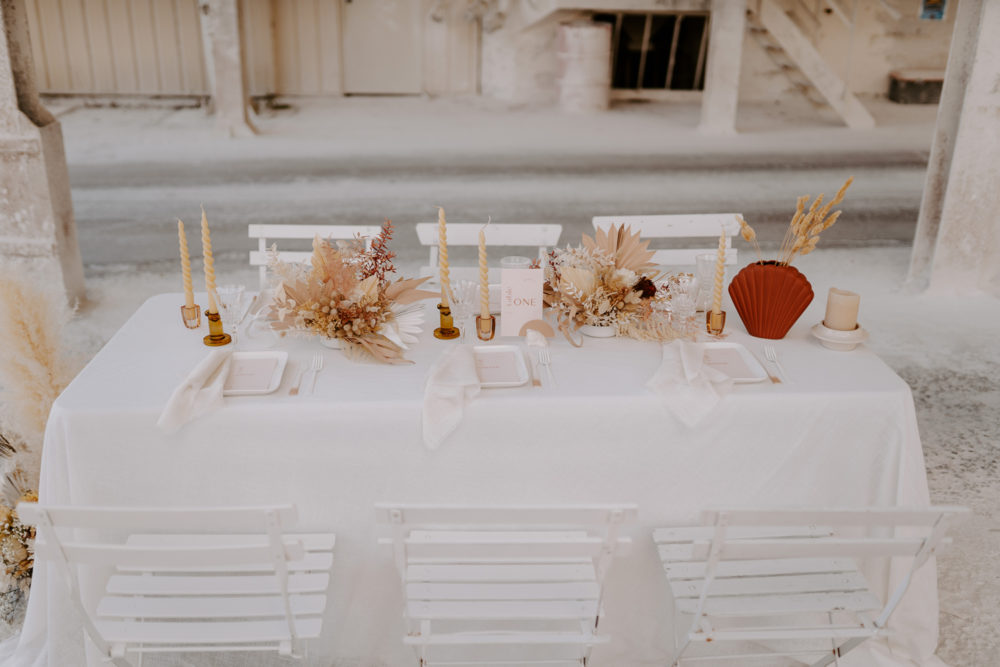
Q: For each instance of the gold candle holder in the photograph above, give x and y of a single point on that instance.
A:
(447, 330)
(715, 322)
(216, 336)
(486, 328)
(191, 316)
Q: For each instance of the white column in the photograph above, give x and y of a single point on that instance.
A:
(722, 70)
(230, 100)
(37, 230)
(960, 57)
(967, 255)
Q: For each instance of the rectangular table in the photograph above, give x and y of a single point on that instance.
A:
(843, 432)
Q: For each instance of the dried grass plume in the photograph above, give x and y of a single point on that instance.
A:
(34, 368)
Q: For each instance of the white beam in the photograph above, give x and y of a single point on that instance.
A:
(967, 256)
(956, 78)
(229, 91)
(722, 72)
(37, 230)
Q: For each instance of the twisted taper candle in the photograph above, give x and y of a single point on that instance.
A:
(484, 278)
(720, 272)
(443, 256)
(185, 266)
(206, 250)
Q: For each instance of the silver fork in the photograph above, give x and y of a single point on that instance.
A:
(546, 362)
(772, 355)
(316, 366)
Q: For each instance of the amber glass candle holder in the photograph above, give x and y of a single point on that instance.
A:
(447, 330)
(216, 336)
(191, 316)
(715, 322)
(486, 327)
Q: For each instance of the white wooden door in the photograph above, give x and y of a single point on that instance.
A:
(382, 52)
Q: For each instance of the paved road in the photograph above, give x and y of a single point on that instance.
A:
(125, 212)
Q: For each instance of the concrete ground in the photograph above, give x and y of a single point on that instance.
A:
(358, 160)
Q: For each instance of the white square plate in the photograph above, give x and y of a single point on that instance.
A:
(500, 366)
(734, 360)
(252, 373)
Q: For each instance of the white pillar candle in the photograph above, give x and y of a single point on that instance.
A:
(841, 310)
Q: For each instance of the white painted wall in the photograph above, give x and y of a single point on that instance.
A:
(881, 44)
(291, 47)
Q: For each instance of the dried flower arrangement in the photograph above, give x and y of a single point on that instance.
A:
(606, 281)
(17, 544)
(344, 293)
(805, 228)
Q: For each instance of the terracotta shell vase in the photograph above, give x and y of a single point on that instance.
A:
(770, 297)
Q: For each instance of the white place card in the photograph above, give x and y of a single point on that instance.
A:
(520, 299)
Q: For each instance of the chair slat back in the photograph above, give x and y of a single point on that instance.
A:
(158, 519)
(685, 226)
(171, 558)
(542, 236)
(791, 555)
(505, 533)
(269, 233)
(239, 551)
(417, 516)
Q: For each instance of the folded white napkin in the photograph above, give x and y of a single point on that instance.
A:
(452, 383)
(689, 387)
(201, 391)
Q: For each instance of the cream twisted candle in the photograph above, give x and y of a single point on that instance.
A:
(185, 266)
(720, 272)
(484, 278)
(206, 249)
(443, 257)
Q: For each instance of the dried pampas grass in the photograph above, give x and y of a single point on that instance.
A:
(34, 368)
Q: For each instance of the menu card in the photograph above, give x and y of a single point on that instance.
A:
(520, 299)
(729, 361)
(250, 374)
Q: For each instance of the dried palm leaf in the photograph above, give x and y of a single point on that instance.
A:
(628, 251)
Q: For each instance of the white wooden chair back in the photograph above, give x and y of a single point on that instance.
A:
(684, 226)
(190, 579)
(266, 234)
(763, 563)
(541, 236)
(505, 574)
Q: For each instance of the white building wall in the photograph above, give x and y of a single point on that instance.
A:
(881, 44)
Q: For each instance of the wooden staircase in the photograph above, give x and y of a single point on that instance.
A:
(799, 60)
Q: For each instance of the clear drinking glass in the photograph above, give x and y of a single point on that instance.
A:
(705, 271)
(231, 306)
(464, 299)
(683, 301)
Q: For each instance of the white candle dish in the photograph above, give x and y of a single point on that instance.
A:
(835, 339)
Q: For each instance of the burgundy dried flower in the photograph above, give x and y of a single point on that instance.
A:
(646, 286)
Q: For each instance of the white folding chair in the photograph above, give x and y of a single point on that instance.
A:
(524, 583)
(766, 583)
(190, 579)
(686, 226)
(540, 236)
(266, 233)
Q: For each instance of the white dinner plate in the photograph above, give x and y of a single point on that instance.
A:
(734, 360)
(256, 372)
(500, 366)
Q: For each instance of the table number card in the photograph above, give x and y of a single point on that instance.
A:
(520, 299)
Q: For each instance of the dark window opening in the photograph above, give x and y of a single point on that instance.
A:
(657, 51)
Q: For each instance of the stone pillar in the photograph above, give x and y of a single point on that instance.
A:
(722, 70)
(230, 100)
(37, 230)
(967, 253)
(960, 57)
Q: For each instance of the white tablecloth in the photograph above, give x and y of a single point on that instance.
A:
(843, 432)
